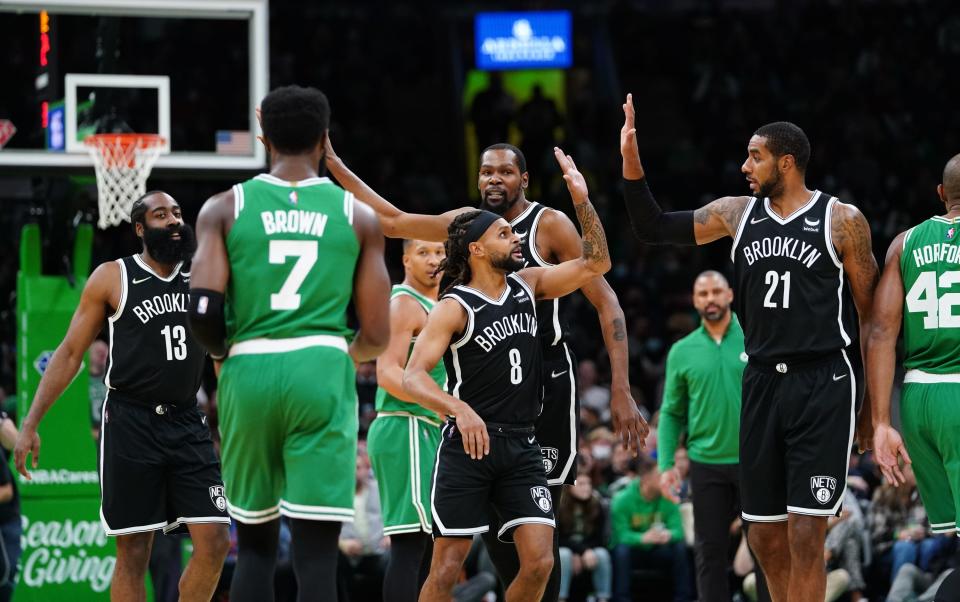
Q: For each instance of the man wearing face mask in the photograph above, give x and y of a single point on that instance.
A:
(158, 468)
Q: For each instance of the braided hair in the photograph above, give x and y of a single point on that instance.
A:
(456, 265)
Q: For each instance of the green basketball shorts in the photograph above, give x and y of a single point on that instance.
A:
(288, 425)
(403, 449)
(930, 415)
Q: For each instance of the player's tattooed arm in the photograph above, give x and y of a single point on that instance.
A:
(881, 363)
(445, 323)
(718, 218)
(594, 260)
(558, 240)
(854, 245)
(395, 222)
(100, 297)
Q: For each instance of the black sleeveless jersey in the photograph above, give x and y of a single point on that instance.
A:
(495, 365)
(154, 357)
(791, 291)
(552, 332)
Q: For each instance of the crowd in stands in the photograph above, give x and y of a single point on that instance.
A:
(874, 86)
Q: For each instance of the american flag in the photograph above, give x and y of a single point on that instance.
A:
(234, 143)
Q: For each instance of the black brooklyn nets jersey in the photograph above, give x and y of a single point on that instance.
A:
(153, 356)
(495, 365)
(791, 291)
(552, 330)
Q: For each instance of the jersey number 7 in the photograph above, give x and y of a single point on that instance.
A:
(306, 253)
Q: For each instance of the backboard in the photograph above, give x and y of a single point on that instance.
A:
(192, 71)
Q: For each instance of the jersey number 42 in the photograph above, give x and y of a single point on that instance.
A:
(923, 298)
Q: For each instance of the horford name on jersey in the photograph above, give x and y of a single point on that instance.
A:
(781, 246)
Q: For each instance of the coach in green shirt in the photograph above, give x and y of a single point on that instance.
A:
(702, 396)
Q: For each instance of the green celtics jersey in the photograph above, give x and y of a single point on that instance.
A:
(387, 402)
(292, 253)
(930, 265)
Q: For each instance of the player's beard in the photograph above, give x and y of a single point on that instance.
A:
(507, 262)
(503, 206)
(714, 312)
(166, 249)
(773, 187)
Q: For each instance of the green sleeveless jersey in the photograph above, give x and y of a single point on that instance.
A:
(930, 266)
(387, 402)
(292, 253)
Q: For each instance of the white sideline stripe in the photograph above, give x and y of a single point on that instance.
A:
(196, 520)
(336, 518)
(527, 520)
(128, 530)
(400, 414)
(315, 509)
(560, 480)
(944, 529)
(255, 521)
(812, 511)
(413, 432)
(757, 518)
(263, 346)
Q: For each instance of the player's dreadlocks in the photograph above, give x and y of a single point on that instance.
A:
(456, 265)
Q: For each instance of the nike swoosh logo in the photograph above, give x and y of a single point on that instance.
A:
(531, 439)
(476, 309)
(754, 220)
(556, 374)
(841, 377)
(135, 281)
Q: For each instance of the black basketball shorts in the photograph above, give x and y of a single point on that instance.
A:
(158, 469)
(510, 479)
(796, 430)
(559, 422)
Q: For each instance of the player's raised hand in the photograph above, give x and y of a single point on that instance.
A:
(628, 424)
(632, 168)
(28, 442)
(888, 448)
(476, 439)
(330, 157)
(576, 184)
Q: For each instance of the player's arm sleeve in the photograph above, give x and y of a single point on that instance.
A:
(650, 223)
(673, 412)
(206, 321)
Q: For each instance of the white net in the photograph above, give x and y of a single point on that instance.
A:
(123, 163)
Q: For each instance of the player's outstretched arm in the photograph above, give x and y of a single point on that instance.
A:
(406, 320)
(371, 288)
(558, 231)
(851, 238)
(445, 320)
(395, 223)
(650, 223)
(101, 291)
(881, 363)
(210, 273)
(594, 259)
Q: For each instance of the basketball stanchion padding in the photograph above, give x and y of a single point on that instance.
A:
(123, 163)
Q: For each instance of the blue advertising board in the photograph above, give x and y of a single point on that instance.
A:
(525, 40)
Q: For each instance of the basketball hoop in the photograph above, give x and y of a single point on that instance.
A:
(123, 163)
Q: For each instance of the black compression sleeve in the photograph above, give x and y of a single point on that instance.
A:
(650, 223)
(206, 321)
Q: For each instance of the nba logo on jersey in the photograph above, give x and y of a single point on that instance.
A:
(951, 232)
(216, 496)
(823, 488)
(293, 197)
(541, 495)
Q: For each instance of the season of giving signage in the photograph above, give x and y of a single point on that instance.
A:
(66, 555)
(528, 40)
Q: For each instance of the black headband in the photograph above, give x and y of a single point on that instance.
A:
(479, 225)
